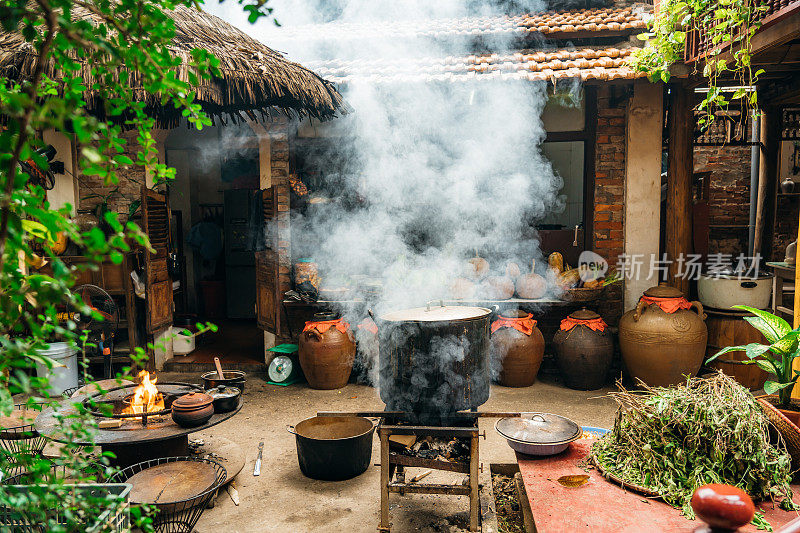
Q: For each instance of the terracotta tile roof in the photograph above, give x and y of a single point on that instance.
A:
(628, 19)
(583, 63)
(585, 20)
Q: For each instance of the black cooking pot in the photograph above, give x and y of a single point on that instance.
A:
(232, 378)
(333, 448)
(226, 399)
(434, 361)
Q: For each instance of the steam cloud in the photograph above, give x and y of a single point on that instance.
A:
(434, 171)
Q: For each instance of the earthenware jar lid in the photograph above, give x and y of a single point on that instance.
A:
(513, 313)
(583, 314)
(193, 400)
(663, 291)
(538, 428)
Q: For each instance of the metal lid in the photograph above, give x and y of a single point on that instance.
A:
(325, 315)
(192, 400)
(663, 291)
(539, 428)
(221, 391)
(583, 314)
(437, 314)
(737, 276)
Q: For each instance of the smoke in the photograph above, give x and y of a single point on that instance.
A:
(428, 173)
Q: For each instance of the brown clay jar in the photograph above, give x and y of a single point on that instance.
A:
(584, 350)
(518, 354)
(327, 351)
(193, 409)
(662, 348)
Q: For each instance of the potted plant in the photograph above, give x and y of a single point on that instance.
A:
(775, 358)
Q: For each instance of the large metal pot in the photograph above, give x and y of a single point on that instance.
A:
(434, 360)
(333, 448)
(724, 291)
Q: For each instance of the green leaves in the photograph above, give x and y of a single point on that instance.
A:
(771, 326)
(771, 387)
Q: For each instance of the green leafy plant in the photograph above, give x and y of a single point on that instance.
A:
(80, 50)
(775, 358)
(728, 26)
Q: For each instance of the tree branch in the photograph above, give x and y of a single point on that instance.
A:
(22, 139)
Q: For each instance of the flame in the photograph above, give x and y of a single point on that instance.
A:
(145, 398)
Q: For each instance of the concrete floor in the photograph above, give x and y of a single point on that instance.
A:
(282, 499)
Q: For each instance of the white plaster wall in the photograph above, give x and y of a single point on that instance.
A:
(64, 191)
(643, 182)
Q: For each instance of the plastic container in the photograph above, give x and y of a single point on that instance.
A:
(183, 344)
(64, 374)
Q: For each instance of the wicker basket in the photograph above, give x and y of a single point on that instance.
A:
(787, 429)
(582, 294)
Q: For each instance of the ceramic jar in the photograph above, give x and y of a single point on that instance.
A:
(517, 348)
(193, 409)
(664, 338)
(326, 352)
(584, 349)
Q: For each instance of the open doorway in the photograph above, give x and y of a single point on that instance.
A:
(214, 200)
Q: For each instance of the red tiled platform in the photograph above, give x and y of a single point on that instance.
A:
(600, 506)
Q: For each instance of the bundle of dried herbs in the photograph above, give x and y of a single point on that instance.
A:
(710, 430)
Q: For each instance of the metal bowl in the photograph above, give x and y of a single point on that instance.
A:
(539, 433)
(232, 378)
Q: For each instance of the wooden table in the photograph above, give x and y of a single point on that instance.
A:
(600, 506)
(783, 273)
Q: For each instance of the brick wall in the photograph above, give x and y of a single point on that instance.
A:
(786, 215)
(609, 191)
(130, 183)
(729, 196)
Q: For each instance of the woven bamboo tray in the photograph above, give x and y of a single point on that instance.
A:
(644, 491)
(788, 430)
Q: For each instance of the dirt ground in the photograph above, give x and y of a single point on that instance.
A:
(282, 499)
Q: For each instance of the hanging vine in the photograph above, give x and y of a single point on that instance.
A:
(728, 27)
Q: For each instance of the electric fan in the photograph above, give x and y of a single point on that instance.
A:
(101, 332)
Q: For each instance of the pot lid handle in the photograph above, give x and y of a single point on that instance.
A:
(428, 305)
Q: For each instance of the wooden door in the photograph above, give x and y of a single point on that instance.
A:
(158, 284)
(268, 294)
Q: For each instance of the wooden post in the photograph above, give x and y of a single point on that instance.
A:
(474, 503)
(384, 524)
(679, 183)
(796, 286)
(767, 182)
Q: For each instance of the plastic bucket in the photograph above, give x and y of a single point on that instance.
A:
(64, 374)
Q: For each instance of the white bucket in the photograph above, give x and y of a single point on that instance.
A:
(64, 374)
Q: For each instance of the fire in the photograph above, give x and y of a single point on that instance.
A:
(145, 398)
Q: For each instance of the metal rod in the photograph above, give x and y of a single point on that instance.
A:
(755, 159)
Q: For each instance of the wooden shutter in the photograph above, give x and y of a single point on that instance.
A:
(268, 295)
(158, 285)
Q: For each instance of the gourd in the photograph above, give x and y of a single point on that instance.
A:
(531, 286)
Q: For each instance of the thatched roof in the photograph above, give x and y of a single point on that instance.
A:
(255, 78)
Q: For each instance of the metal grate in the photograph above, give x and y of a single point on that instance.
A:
(179, 516)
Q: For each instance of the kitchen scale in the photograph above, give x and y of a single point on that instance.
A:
(284, 369)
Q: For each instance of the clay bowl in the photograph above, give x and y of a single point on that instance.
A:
(193, 409)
